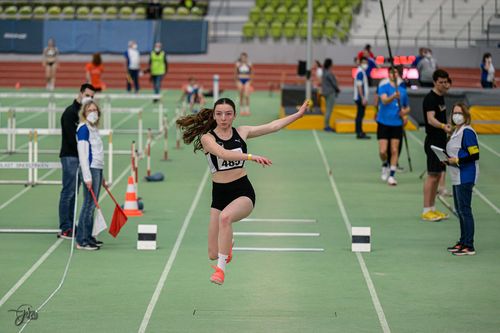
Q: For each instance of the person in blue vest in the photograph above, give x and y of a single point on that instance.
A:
(361, 93)
(392, 109)
(463, 152)
(158, 67)
(487, 72)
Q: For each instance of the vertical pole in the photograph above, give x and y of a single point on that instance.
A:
(409, 9)
(9, 134)
(429, 33)
(177, 132)
(482, 19)
(30, 157)
(453, 14)
(165, 139)
(132, 160)
(140, 132)
(14, 126)
(309, 48)
(441, 19)
(35, 156)
(110, 157)
(160, 116)
(216, 87)
(468, 33)
(148, 151)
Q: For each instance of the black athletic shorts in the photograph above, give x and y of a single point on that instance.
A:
(389, 132)
(434, 165)
(224, 193)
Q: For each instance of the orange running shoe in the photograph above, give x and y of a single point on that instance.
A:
(218, 276)
(230, 255)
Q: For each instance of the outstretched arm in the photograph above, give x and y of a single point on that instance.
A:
(273, 126)
(210, 146)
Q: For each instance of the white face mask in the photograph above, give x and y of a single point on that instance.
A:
(458, 118)
(157, 49)
(428, 55)
(86, 100)
(134, 46)
(92, 117)
(364, 66)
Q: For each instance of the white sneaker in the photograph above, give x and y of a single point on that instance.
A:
(385, 174)
(392, 181)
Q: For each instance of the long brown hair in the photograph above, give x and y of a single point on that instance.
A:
(195, 125)
(96, 59)
(465, 110)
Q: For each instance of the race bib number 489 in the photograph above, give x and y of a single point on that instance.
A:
(227, 165)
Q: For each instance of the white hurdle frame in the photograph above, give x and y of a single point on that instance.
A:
(33, 153)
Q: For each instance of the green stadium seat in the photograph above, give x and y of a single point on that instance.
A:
(182, 11)
(248, 30)
(1, 10)
(68, 12)
(268, 14)
(288, 3)
(188, 4)
(83, 12)
(317, 3)
(302, 3)
(39, 12)
(54, 11)
(274, 3)
(329, 29)
(25, 12)
(334, 13)
(10, 11)
(111, 12)
(97, 12)
(342, 35)
(302, 30)
(168, 12)
(255, 14)
(276, 30)
(197, 11)
(140, 13)
(289, 30)
(262, 30)
(261, 3)
(320, 13)
(281, 14)
(125, 12)
(317, 30)
(294, 14)
(329, 3)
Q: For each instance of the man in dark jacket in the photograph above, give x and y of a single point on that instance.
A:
(69, 159)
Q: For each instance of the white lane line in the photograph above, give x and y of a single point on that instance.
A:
(173, 254)
(364, 269)
(30, 231)
(491, 150)
(30, 271)
(279, 249)
(281, 220)
(475, 190)
(277, 234)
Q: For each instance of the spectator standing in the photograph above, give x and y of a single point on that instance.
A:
(93, 72)
(133, 66)
(487, 72)
(426, 67)
(158, 67)
(49, 61)
(91, 157)
(436, 129)
(330, 90)
(361, 94)
(463, 152)
(243, 82)
(69, 159)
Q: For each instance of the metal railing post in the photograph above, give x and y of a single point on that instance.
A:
(428, 33)
(453, 13)
(441, 19)
(409, 9)
(398, 19)
(468, 33)
(482, 18)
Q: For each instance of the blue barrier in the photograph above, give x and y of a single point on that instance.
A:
(111, 36)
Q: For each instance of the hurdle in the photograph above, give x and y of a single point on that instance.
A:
(148, 152)
(165, 138)
(33, 163)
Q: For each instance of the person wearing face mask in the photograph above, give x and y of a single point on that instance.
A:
(361, 93)
(158, 67)
(69, 159)
(329, 89)
(487, 72)
(133, 66)
(426, 67)
(463, 152)
(91, 158)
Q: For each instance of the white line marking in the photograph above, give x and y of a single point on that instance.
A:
(281, 220)
(491, 150)
(475, 190)
(278, 234)
(30, 231)
(30, 271)
(279, 249)
(364, 269)
(173, 254)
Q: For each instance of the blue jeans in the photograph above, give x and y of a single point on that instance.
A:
(134, 76)
(157, 83)
(359, 117)
(86, 220)
(67, 199)
(462, 197)
(330, 102)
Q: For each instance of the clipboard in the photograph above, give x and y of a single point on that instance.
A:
(440, 153)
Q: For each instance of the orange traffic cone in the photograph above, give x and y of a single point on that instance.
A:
(131, 208)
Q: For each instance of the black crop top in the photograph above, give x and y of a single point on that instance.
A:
(235, 143)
